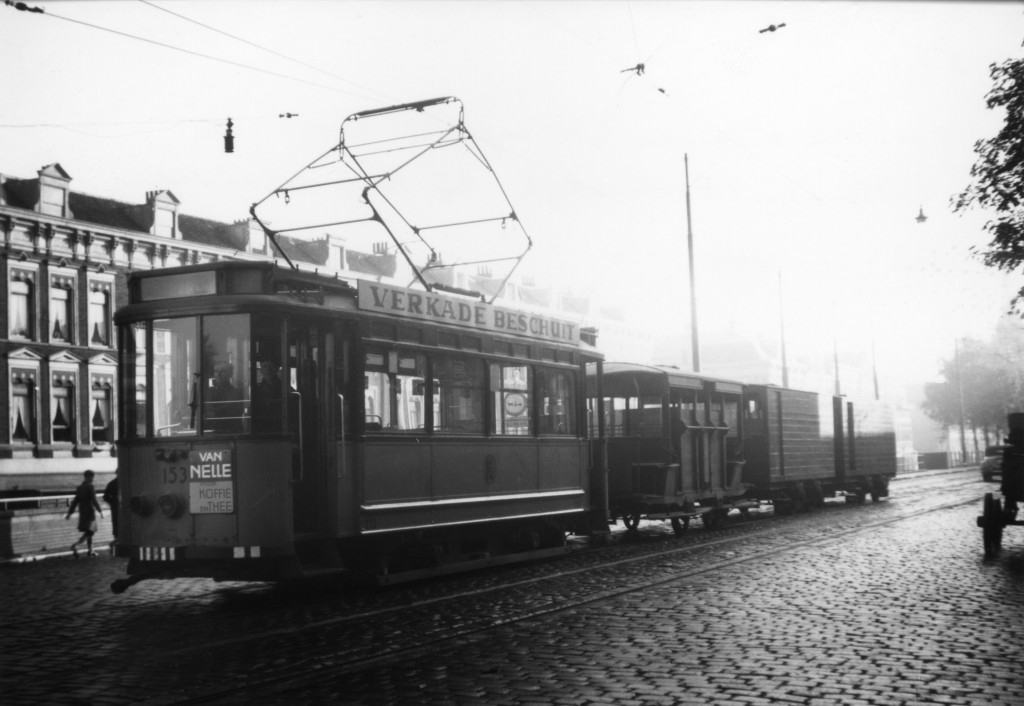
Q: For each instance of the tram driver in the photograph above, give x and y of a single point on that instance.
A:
(267, 398)
(226, 409)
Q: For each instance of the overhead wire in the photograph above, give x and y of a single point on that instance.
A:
(201, 55)
(258, 46)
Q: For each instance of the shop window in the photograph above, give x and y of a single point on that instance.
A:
(99, 314)
(21, 314)
(62, 408)
(558, 411)
(511, 389)
(458, 394)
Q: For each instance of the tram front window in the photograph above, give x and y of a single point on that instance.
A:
(200, 387)
(226, 388)
(175, 376)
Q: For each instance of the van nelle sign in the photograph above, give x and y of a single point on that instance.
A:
(427, 306)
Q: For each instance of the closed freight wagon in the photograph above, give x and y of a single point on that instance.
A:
(801, 447)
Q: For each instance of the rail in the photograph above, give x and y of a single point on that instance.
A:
(35, 502)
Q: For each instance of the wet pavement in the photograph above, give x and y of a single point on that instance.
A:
(890, 603)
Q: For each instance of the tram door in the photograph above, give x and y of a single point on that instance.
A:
(306, 415)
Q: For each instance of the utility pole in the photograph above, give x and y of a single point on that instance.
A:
(960, 391)
(694, 338)
(782, 336)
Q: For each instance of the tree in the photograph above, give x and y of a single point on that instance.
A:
(998, 175)
(980, 383)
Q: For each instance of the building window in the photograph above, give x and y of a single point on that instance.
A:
(51, 200)
(99, 314)
(62, 309)
(22, 305)
(62, 408)
(23, 407)
(164, 223)
(100, 427)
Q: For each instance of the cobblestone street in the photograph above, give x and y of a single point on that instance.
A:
(890, 603)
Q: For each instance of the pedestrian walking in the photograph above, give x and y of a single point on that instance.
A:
(87, 504)
(110, 497)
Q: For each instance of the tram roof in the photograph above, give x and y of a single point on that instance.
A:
(637, 379)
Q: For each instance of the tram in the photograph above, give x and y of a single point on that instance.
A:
(280, 424)
(674, 443)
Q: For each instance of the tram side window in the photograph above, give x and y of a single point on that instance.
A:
(511, 386)
(458, 394)
(175, 393)
(691, 408)
(133, 371)
(227, 387)
(647, 420)
(395, 391)
(558, 411)
(268, 391)
(615, 411)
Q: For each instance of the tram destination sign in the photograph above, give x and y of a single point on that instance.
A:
(211, 486)
(429, 306)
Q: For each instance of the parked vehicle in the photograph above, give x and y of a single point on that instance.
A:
(992, 465)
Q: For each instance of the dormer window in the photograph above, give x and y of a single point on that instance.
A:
(257, 239)
(52, 199)
(162, 207)
(54, 183)
(164, 224)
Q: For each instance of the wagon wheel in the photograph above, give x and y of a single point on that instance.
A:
(631, 520)
(991, 523)
(680, 524)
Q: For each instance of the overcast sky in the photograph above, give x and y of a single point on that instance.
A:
(811, 148)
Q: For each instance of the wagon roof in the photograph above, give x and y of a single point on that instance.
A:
(636, 379)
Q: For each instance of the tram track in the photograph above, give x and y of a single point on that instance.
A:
(653, 570)
(631, 551)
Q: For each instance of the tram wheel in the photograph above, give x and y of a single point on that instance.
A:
(631, 520)
(991, 523)
(680, 524)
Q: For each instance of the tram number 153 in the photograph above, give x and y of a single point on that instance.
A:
(175, 474)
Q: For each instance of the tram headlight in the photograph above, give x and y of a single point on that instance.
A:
(171, 505)
(141, 505)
